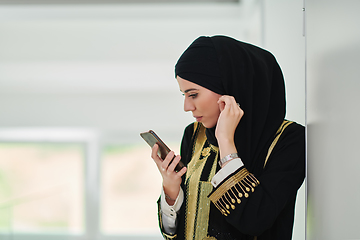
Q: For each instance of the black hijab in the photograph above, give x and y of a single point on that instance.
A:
(250, 74)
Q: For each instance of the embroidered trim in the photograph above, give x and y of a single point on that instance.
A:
(197, 204)
(241, 183)
(209, 238)
(281, 129)
(233, 190)
(169, 237)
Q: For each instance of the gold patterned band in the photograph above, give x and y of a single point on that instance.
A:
(233, 190)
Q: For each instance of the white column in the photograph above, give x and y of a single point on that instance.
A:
(283, 24)
(333, 98)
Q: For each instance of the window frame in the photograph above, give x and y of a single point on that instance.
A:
(90, 141)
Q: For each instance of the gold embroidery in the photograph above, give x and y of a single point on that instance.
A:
(197, 204)
(209, 238)
(202, 217)
(169, 237)
(278, 133)
(240, 184)
(206, 152)
(196, 161)
(232, 190)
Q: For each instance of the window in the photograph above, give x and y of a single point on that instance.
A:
(44, 182)
(55, 184)
(131, 185)
(41, 184)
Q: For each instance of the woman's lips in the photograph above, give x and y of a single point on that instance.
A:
(198, 118)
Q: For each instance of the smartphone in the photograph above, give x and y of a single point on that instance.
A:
(151, 138)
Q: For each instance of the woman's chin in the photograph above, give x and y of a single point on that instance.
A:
(208, 125)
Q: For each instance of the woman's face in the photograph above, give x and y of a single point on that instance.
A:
(202, 102)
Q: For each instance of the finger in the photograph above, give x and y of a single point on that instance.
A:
(241, 113)
(181, 172)
(174, 162)
(234, 106)
(154, 154)
(227, 108)
(223, 102)
(168, 158)
(226, 98)
(228, 101)
(157, 159)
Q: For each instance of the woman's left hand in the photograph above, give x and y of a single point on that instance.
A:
(230, 116)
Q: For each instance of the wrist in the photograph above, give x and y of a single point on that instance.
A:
(225, 140)
(171, 193)
(225, 160)
(227, 148)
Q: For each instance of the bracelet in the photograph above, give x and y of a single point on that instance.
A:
(167, 196)
(229, 157)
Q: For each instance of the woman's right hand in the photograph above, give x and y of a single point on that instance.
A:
(171, 178)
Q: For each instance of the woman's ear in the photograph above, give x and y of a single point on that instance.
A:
(221, 104)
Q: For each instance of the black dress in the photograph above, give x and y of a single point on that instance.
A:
(248, 204)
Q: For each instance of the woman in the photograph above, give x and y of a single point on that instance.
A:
(244, 162)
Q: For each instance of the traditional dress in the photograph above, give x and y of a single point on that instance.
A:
(257, 200)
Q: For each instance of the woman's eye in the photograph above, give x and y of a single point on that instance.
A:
(194, 95)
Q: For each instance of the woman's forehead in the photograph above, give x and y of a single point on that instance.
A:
(186, 86)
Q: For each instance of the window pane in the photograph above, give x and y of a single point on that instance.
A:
(131, 185)
(41, 187)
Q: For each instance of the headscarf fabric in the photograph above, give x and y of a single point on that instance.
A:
(252, 76)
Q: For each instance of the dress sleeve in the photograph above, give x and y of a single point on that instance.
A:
(167, 236)
(168, 215)
(252, 203)
(164, 211)
(224, 172)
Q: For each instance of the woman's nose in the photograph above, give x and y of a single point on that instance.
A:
(188, 105)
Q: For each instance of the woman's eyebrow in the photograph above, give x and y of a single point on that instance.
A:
(191, 89)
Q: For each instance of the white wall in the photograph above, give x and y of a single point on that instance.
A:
(106, 67)
(87, 65)
(283, 36)
(333, 50)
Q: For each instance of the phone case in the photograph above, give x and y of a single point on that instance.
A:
(152, 138)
